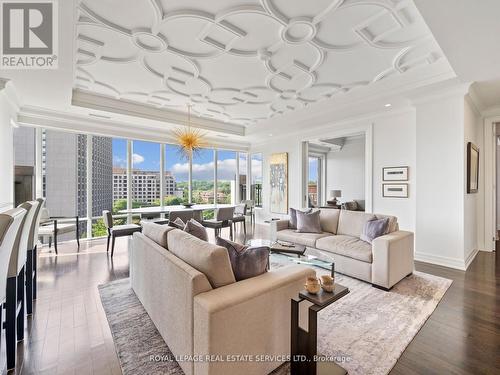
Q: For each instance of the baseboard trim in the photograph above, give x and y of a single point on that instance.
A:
(455, 263)
(470, 258)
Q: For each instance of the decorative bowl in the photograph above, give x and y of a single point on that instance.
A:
(188, 205)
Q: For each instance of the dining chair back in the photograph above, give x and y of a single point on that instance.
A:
(21, 256)
(240, 209)
(224, 213)
(107, 217)
(8, 284)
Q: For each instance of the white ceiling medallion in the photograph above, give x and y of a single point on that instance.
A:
(243, 61)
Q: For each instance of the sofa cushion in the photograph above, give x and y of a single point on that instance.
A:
(210, 259)
(348, 246)
(196, 229)
(329, 219)
(292, 212)
(306, 239)
(308, 222)
(155, 232)
(393, 223)
(374, 228)
(351, 223)
(247, 262)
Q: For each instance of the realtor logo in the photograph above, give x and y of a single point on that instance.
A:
(29, 34)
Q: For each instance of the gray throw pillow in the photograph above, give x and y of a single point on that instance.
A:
(196, 229)
(177, 223)
(308, 222)
(374, 228)
(246, 261)
(292, 212)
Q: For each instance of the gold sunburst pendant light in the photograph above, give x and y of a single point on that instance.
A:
(190, 141)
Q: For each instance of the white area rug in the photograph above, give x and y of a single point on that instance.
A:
(370, 327)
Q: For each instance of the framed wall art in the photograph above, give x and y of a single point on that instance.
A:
(395, 190)
(395, 174)
(278, 166)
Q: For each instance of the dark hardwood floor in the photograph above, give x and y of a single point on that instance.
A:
(69, 334)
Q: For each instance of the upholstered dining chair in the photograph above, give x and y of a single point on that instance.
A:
(53, 226)
(223, 219)
(10, 227)
(18, 260)
(118, 230)
(32, 257)
(250, 209)
(240, 212)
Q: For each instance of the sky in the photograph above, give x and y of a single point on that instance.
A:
(146, 156)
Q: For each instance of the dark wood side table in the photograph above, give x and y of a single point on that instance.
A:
(304, 343)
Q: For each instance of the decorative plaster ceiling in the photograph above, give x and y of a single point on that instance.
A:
(244, 61)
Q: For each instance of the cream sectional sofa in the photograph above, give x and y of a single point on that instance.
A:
(384, 262)
(188, 288)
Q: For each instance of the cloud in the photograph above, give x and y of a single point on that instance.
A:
(119, 162)
(226, 170)
(137, 159)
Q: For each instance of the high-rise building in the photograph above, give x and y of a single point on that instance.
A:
(145, 185)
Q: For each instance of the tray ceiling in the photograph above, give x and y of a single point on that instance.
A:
(245, 61)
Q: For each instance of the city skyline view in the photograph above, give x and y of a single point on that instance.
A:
(146, 157)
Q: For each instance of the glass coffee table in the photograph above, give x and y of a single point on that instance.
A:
(296, 253)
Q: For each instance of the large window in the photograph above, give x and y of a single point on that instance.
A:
(177, 176)
(243, 174)
(146, 173)
(81, 172)
(203, 176)
(256, 188)
(226, 177)
(313, 182)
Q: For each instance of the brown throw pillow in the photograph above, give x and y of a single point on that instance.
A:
(196, 229)
(308, 222)
(177, 223)
(246, 261)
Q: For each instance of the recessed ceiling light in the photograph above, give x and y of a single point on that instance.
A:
(270, 134)
(388, 105)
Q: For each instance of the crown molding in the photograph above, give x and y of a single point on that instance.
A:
(441, 90)
(129, 108)
(46, 118)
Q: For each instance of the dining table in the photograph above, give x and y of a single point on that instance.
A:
(157, 210)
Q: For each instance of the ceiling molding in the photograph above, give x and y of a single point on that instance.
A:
(129, 108)
(40, 117)
(244, 62)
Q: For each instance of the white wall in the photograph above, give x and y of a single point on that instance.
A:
(393, 145)
(472, 134)
(6, 152)
(345, 170)
(440, 183)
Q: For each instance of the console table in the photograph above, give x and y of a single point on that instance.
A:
(304, 343)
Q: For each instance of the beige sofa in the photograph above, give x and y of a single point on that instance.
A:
(383, 263)
(188, 289)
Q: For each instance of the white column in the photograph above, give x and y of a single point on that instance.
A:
(38, 162)
(215, 177)
(237, 198)
(190, 179)
(89, 185)
(162, 175)
(129, 179)
(249, 176)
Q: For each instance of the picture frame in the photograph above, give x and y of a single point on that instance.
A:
(278, 178)
(395, 173)
(395, 190)
(472, 168)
